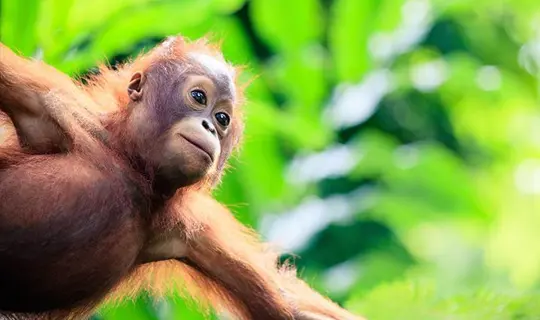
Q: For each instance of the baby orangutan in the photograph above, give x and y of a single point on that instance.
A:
(105, 191)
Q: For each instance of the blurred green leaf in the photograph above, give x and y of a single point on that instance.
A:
(385, 265)
(52, 25)
(287, 25)
(139, 309)
(376, 151)
(408, 301)
(264, 151)
(350, 26)
(390, 13)
(300, 75)
(90, 15)
(235, 42)
(161, 19)
(228, 6)
(438, 176)
(176, 308)
(411, 300)
(17, 24)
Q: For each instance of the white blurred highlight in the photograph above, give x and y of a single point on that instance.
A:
(489, 78)
(354, 104)
(416, 19)
(527, 177)
(406, 157)
(341, 277)
(335, 161)
(430, 75)
(292, 230)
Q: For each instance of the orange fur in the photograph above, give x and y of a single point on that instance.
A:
(227, 267)
(243, 244)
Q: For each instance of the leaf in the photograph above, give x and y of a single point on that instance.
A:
(428, 172)
(85, 15)
(350, 27)
(178, 308)
(227, 6)
(190, 17)
(17, 25)
(236, 45)
(304, 131)
(287, 25)
(300, 76)
(139, 309)
(376, 150)
(403, 300)
(51, 26)
(262, 162)
(233, 192)
(80, 20)
(352, 24)
(389, 14)
(411, 300)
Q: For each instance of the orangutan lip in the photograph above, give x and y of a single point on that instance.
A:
(198, 145)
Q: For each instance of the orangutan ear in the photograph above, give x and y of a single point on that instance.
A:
(135, 87)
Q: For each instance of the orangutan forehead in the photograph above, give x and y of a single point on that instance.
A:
(214, 65)
(217, 69)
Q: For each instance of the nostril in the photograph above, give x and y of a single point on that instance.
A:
(208, 126)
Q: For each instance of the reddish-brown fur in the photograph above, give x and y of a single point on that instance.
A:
(72, 244)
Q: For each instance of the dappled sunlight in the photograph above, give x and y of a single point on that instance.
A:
(332, 162)
(354, 104)
(293, 230)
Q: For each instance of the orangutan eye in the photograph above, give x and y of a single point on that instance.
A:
(199, 96)
(223, 118)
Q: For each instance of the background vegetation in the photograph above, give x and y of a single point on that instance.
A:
(392, 145)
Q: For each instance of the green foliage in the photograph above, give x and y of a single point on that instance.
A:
(392, 145)
(413, 300)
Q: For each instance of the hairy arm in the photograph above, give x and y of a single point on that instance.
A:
(242, 270)
(68, 232)
(49, 112)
